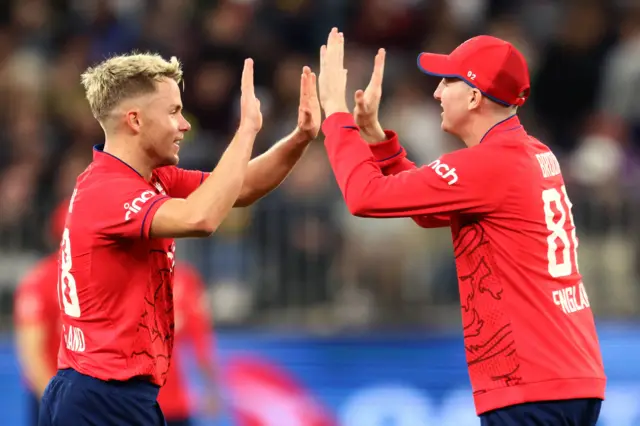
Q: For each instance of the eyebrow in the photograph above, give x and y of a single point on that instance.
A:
(177, 107)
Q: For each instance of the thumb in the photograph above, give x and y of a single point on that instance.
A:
(359, 97)
(305, 110)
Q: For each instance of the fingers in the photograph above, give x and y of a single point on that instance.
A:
(313, 86)
(323, 57)
(308, 89)
(335, 48)
(304, 86)
(378, 68)
(246, 84)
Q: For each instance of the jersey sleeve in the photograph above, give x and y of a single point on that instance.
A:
(465, 181)
(125, 209)
(180, 183)
(392, 159)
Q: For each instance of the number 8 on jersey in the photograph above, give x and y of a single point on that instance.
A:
(554, 197)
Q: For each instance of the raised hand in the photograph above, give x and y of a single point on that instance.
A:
(368, 103)
(309, 115)
(332, 81)
(250, 115)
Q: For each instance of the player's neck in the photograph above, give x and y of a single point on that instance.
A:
(131, 154)
(481, 125)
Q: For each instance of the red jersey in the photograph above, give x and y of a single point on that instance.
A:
(529, 332)
(191, 324)
(36, 303)
(116, 283)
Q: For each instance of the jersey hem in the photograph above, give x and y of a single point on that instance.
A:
(550, 390)
(122, 376)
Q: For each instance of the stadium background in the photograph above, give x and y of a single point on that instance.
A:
(362, 314)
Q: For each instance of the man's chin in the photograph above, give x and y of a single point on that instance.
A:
(170, 161)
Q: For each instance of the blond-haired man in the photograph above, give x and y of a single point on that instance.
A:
(117, 251)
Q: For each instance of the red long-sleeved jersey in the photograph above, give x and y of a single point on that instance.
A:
(529, 332)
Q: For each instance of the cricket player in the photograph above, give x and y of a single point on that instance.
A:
(531, 345)
(117, 251)
(37, 319)
(192, 325)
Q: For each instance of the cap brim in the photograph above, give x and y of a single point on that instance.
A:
(436, 65)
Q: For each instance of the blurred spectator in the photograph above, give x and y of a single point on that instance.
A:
(565, 89)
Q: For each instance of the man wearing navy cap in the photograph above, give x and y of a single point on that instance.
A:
(530, 339)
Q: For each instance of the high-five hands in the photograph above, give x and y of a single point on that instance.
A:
(368, 103)
(332, 80)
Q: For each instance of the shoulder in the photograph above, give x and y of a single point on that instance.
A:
(165, 176)
(505, 152)
(166, 171)
(479, 160)
(41, 273)
(103, 201)
(98, 191)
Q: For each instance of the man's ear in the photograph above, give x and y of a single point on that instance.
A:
(133, 120)
(475, 98)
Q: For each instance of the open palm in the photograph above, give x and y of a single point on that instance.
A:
(368, 102)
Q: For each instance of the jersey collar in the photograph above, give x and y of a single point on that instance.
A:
(111, 161)
(506, 125)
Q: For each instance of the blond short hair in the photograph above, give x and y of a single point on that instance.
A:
(125, 76)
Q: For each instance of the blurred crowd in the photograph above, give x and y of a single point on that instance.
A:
(298, 258)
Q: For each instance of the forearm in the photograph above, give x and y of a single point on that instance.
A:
(373, 134)
(213, 200)
(392, 160)
(366, 191)
(31, 353)
(267, 171)
(39, 374)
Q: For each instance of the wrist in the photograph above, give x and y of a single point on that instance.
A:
(301, 137)
(333, 106)
(246, 130)
(373, 134)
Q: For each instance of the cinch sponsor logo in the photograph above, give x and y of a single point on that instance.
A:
(445, 171)
(134, 206)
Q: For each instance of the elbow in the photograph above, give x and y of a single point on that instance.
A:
(363, 200)
(357, 206)
(244, 201)
(248, 195)
(203, 228)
